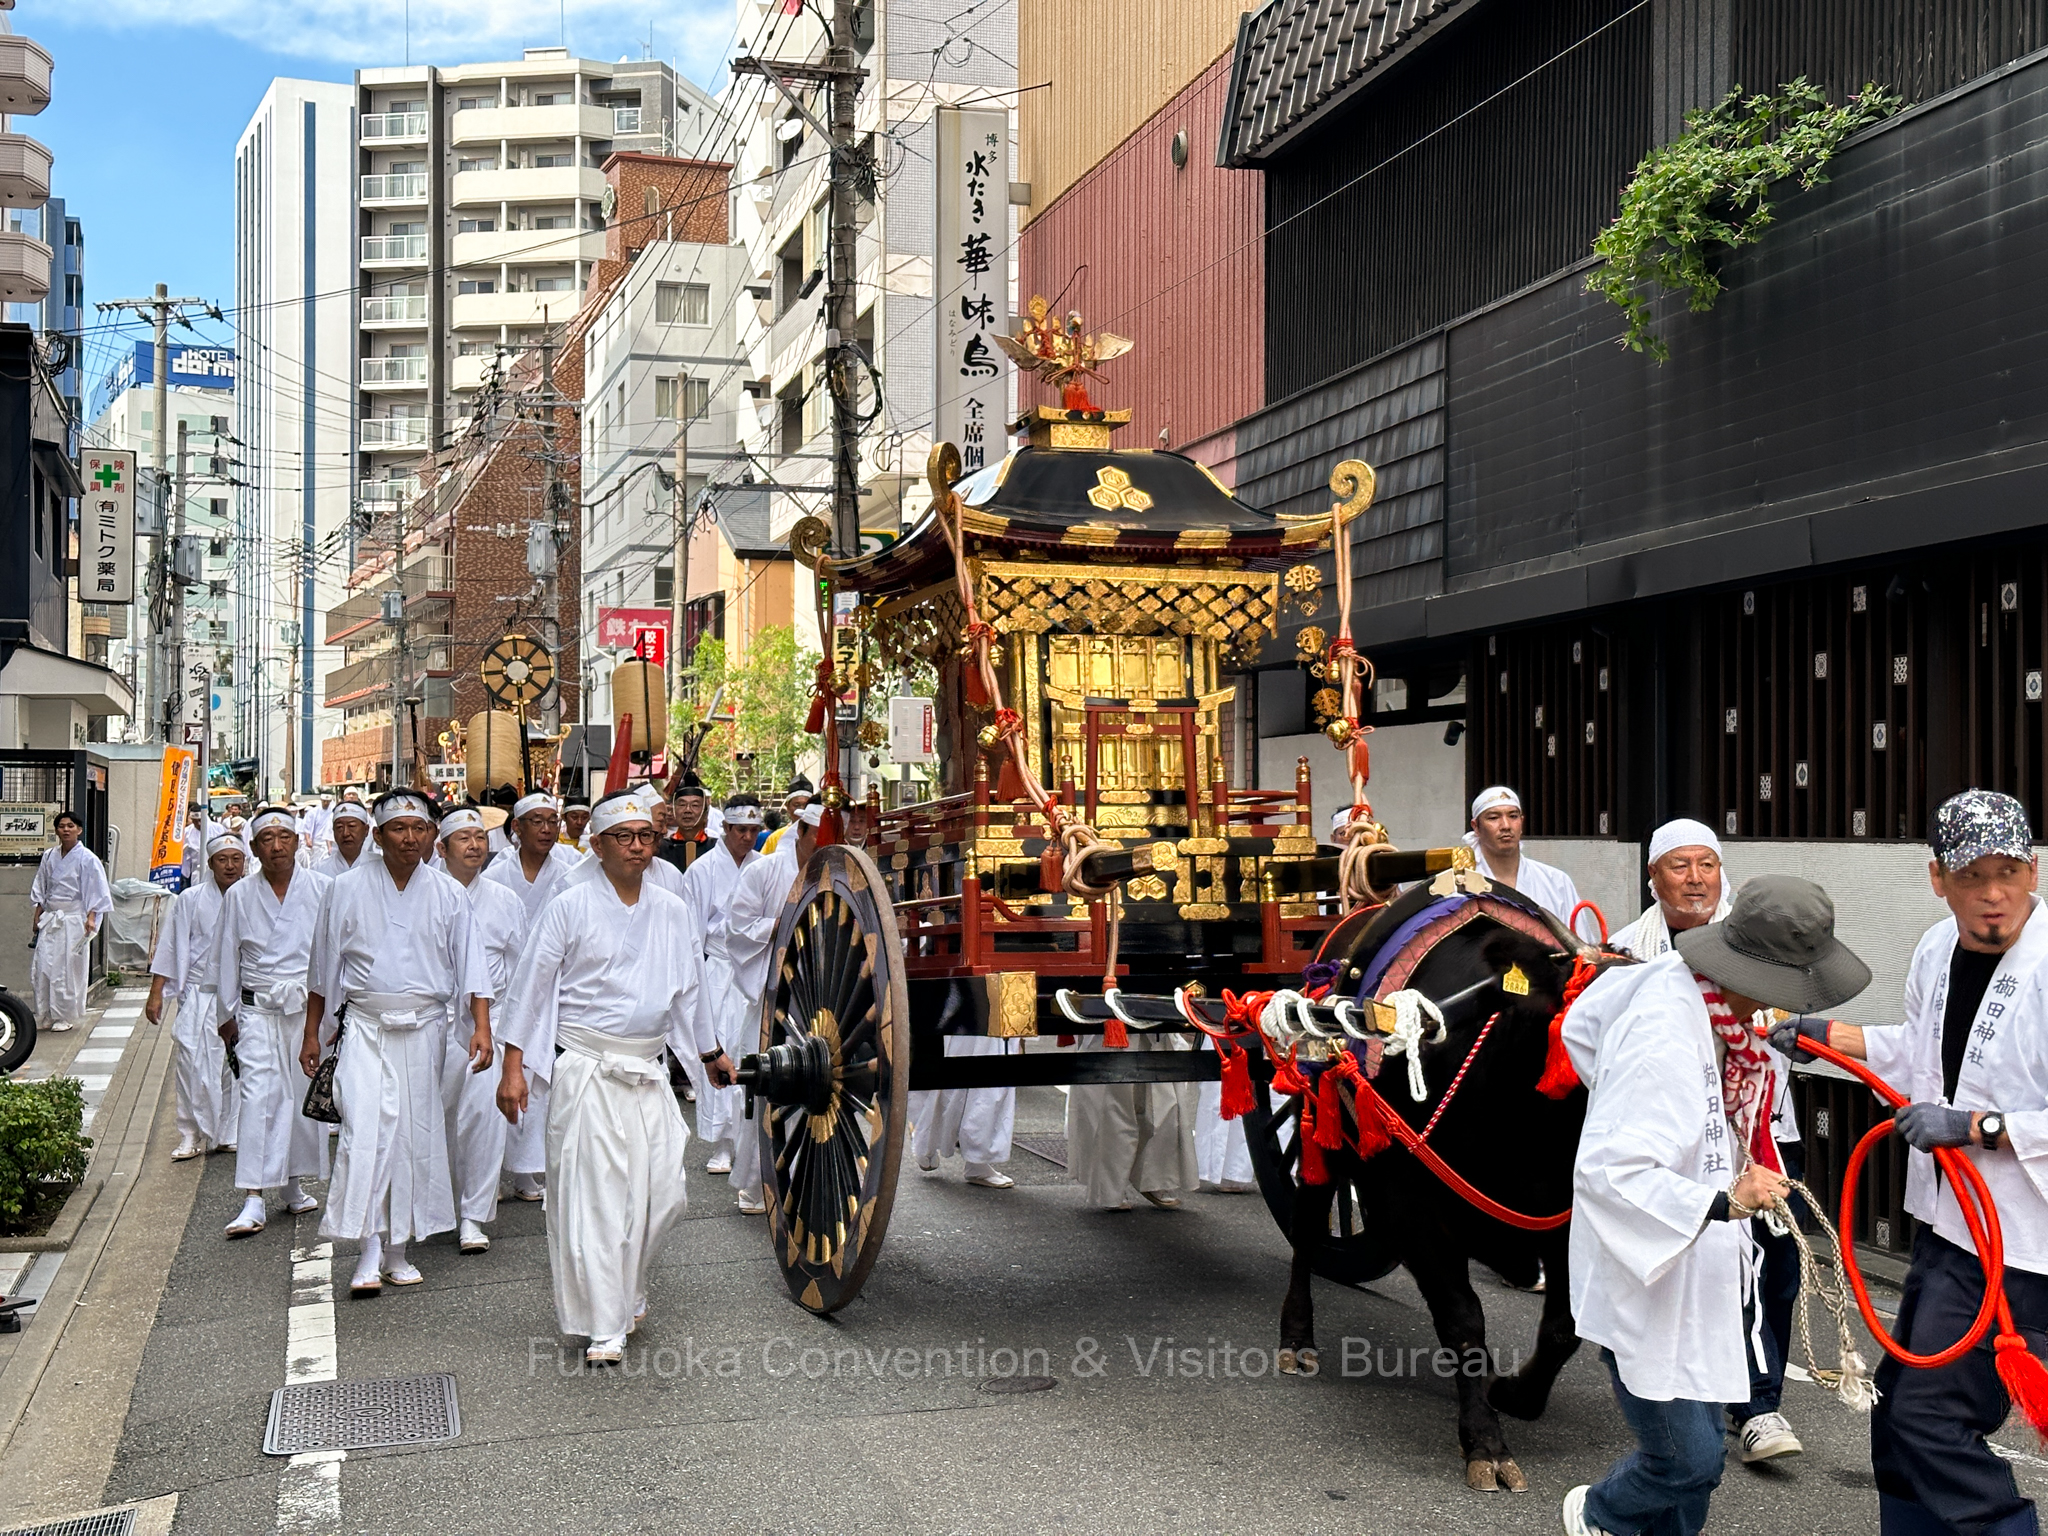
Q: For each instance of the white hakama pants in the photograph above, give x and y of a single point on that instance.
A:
(972, 1123)
(1221, 1155)
(476, 1131)
(391, 1175)
(1126, 1138)
(63, 953)
(274, 1142)
(209, 1099)
(526, 1144)
(721, 1112)
(615, 1143)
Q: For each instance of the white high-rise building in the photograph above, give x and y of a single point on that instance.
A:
(295, 323)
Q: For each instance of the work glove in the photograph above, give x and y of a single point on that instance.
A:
(1785, 1037)
(1927, 1126)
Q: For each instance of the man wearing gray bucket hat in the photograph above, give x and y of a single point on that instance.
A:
(1675, 1157)
(1972, 1055)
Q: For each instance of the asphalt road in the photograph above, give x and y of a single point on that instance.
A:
(737, 1411)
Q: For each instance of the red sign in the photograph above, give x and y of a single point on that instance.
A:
(640, 630)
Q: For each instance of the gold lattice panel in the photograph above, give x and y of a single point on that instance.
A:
(919, 631)
(1230, 608)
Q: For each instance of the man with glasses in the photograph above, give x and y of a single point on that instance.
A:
(613, 974)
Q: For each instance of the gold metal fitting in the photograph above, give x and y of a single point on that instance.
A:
(1340, 732)
(834, 797)
(988, 736)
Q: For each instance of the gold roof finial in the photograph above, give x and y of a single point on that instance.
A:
(1064, 355)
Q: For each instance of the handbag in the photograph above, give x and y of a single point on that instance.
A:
(320, 1103)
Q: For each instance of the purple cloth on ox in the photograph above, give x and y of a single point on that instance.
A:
(1400, 937)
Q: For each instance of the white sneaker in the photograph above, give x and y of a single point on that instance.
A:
(1575, 1522)
(471, 1238)
(721, 1162)
(1767, 1436)
(187, 1150)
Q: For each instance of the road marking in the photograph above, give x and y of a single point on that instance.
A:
(112, 1032)
(95, 1082)
(309, 1489)
(105, 1056)
(132, 1011)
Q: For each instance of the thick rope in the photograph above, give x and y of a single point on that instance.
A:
(1850, 1379)
(1410, 1034)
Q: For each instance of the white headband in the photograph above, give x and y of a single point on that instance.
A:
(1492, 799)
(350, 810)
(404, 805)
(1683, 833)
(812, 814)
(534, 802)
(743, 816)
(613, 812)
(271, 819)
(464, 820)
(220, 840)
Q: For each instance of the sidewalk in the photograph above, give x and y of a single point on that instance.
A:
(65, 1380)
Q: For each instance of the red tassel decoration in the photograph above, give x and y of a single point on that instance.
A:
(2025, 1379)
(1237, 1082)
(1114, 1036)
(1559, 1077)
(1313, 1169)
(971, 685)
(1009, 787)
(1372, 1131)
(1329, 1111)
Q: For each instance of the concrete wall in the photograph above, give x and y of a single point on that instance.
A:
(1606, 872)
(1417, 789)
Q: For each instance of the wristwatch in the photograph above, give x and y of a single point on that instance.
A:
(1992, 1129)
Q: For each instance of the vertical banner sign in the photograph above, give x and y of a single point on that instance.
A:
(107, 562)
(973, 279)
(167, 848)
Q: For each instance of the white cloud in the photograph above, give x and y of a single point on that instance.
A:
(363, 34)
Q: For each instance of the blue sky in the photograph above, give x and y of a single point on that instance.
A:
(149, 96)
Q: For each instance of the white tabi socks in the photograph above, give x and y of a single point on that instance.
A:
(369, 1276)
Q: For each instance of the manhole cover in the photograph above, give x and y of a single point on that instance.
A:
(1052, 1148)
(362, 1415)
(108, 1522)
(1007, 1384)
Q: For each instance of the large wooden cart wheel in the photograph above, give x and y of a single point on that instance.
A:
(1348, 1255)
(832, 1082)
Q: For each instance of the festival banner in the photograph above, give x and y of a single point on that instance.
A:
(167, 848)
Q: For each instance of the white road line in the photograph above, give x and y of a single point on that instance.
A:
(116, 1015)
(309, 1489)
(94, 1082)
(112, 1032)
(105, 1056)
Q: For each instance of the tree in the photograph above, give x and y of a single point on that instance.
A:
(768, 695)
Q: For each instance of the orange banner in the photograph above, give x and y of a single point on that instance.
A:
(167, 848)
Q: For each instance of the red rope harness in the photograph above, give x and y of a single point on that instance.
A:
(1451, 1092)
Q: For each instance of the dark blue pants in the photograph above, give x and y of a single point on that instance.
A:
(1777, 1292)
(1663, 1486)
(1935, 1474)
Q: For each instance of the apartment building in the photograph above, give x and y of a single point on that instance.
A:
(60, 311)
(481, 213)
(294, 413)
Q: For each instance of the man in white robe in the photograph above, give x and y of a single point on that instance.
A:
(71, 898)
(534, 868)
(1675, 1157)
(1496, 837)
(318, 827)
(708, 885)
(611, 977)
(351, 834)
(757, 904)
(476, 1131)
(973, 1124)
(1972, 1055)
(259, 975)
(208, 1101)
(397, 947)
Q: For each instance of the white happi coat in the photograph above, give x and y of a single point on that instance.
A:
(1652, 1278)
(536, 893)
(208, 1099)
(334, 866)
(69, 888)
(402, 961)
(757, 903)
(610, 985)
(708, 886)
(1546, 885)
(477, 1132)
(263, 949)
(2005, 1068)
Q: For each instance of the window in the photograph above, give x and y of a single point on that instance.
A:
(74, 291)
(553, 284)
(408, 349)
(218, 505)
(553, 99)
(652, 200)
(789, 274)
(73, 235)
(473, 348)
(475, 226)
(664, 584)
(475, 103)
(546, 162)
(477, 163)
(477, 285)
(407, 227)
(406, 168)
(554, 221)
(682, 303)
(693, 398)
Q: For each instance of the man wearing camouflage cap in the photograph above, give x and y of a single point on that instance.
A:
(1973, 1057)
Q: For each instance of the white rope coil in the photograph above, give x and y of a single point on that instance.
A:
(1410, 1034)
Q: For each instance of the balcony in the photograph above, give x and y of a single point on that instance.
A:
(490, 247)
(24, 76)
(395, 309)
(388, 432)
(625, 120)
(390, 492)
(429, 576)
(24, 268)
(358, 680)
(409, 187)
(469, 310)
(395, 128)
(394, 372)
(469, 372)
(530, 184)
(490, 125)
(24, 171)
(394, 250)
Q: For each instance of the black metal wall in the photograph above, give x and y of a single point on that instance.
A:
(1489, 160)
(1918, 48)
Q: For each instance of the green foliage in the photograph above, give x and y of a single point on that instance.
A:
(768, 694)
(40, 1139)
(1709, 190)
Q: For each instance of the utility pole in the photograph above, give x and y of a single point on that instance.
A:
(544, 544)
(174, 723)
(401, 655)
(679, 599)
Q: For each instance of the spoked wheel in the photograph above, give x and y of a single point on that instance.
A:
(17, 1031)
(1348, 1255)
(832, 1082)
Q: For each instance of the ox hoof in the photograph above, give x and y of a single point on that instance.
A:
(1479, 1476)
(1485, 1476)
(1510, 1476)
(1297, 1362)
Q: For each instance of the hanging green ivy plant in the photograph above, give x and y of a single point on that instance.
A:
(1709, 190)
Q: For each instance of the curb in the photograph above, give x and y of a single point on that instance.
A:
(64, 1230)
